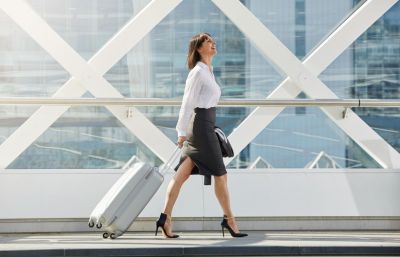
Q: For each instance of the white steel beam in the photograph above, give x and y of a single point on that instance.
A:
(86, 76)
(305, 77)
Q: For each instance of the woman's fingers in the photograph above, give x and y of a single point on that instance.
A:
(181, 139)
(180, 144)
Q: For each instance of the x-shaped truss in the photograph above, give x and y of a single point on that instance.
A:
(88, 76)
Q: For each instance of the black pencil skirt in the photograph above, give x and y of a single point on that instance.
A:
(203, 145)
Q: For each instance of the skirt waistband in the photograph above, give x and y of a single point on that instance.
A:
(208, 114)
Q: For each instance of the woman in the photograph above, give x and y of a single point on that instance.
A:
(202, 153)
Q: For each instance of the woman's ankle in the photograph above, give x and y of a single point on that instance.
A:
(167, 213)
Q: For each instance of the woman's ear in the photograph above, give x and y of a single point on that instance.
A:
(199, 50)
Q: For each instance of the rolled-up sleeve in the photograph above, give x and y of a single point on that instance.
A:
(191, 94)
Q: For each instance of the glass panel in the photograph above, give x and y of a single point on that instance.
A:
(156, 67)
(87, 25)
(165, 118)
(300, 24)
(300, 138)
(12, 117)
(84, 138)
(25, 68)
(385, 122)
(370, 67)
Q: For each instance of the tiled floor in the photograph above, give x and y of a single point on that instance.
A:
(259, 243)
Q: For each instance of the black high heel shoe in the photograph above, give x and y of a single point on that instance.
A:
(161, 222)
(224, 224)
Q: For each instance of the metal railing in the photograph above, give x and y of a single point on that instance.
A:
(174, 102)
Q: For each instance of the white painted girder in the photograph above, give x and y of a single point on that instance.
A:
(149, 17)
(302, 77)
(87, 74)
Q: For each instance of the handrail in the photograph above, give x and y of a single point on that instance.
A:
(174, 102)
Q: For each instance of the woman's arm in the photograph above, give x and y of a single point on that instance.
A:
(193, 86)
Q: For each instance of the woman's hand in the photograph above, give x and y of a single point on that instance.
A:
(181, 139)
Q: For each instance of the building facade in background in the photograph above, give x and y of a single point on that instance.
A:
(90, 137)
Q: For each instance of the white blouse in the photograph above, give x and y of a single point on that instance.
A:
(201, 91)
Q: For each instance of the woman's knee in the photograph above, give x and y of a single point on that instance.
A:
(188, 165)
(220, 179)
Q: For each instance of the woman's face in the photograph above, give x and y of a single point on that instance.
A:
(208, 47)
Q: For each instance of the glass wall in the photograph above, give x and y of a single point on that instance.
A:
(156, 67)
(370, 69)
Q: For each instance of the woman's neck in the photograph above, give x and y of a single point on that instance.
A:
(207, 60)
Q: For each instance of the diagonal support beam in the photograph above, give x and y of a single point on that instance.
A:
(304, 77)
(86, 76)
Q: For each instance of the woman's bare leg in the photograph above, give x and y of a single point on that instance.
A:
(174, 187)
(222, 194)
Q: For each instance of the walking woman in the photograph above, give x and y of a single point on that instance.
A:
(202, 153)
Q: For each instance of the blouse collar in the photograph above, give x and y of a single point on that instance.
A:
(203, 65)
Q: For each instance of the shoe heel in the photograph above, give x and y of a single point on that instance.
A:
(156, 230)
(160, 223)
(223, 232)
(224, 224)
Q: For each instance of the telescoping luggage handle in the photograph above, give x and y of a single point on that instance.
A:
(172, 158)
(166, 165)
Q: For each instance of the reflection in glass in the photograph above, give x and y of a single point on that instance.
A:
(12, 117)
(303, 140)
(386, 124)
(26, 69)
(370, 69)
(92, 139)
(300, 24)
(156, 67)
(87, 25)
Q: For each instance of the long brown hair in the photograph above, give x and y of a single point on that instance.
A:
(195, 43)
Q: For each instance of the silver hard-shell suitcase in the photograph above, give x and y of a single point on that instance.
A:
(126, 199)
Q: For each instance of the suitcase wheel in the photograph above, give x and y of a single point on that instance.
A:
(105, 235)
(91, 224)
(99, 225)
(113, 236)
